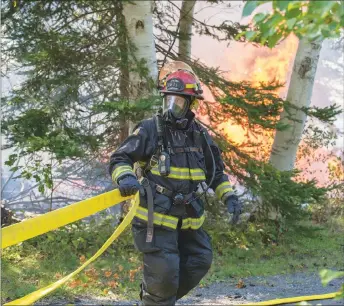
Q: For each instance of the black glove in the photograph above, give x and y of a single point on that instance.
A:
(128, 185)
(234, 207)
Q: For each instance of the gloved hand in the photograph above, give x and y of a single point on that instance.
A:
(128, 185)
(234, 207)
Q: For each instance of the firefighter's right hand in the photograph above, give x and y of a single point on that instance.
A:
(128, 185)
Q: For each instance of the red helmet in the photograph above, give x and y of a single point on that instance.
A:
(182, 82)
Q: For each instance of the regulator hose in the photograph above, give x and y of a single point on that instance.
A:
(213, 173)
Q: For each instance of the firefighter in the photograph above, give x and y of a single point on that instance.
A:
(174, 154)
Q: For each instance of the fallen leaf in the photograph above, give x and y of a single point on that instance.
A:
(120, 268)
(58, 275)
(112, 284)
(116, 276)
(74, 283)
(132, 274)
(105, 291)
(240, 284)
(108, 273)
(82, 258)
(243, 247)
(140, 268)
(92, 273)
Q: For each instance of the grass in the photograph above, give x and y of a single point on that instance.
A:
(253, 251)
(296, 252)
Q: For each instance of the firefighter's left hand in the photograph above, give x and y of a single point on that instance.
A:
(234, 207)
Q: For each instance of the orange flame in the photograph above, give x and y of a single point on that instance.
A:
(250, 63)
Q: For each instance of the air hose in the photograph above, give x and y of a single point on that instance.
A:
(213, 174)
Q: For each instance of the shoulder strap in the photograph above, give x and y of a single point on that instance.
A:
(160, 129)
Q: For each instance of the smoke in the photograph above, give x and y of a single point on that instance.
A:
(244, 61)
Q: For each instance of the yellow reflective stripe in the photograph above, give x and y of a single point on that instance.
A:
(159, 219)
(222, 189)
(190, 85)
(193, 223)
(157, 222)
(120, 171)
(142, 164)
(183, 173)
(145, 210)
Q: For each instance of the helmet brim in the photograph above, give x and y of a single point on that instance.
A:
(198, 96)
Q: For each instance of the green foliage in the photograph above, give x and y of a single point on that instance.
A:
(329, 211)
(312, 19)
(283, 191)
(74, 104)
(257, 249)
(329, 275)
(325, 114)
(39, 261)
(79, 238)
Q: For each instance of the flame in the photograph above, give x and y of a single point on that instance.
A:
(249, 63)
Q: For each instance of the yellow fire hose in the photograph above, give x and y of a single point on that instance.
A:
(33, 227)
(296, 299)
(30, 228)
(42, 224)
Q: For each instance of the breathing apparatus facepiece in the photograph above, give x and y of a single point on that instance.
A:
(175, 109)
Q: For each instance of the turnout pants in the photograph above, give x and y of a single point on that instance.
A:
(174, 262)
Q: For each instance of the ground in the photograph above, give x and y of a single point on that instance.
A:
(226, 292)
(248, 266)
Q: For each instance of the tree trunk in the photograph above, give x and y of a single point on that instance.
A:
(124, 76)
(286, 142)
(185, 29)
(139, 24)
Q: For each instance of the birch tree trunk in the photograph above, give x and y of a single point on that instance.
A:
(139, 24)
(286, 142)
(185, 29)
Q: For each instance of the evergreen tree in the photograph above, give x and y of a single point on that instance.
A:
(77, 59)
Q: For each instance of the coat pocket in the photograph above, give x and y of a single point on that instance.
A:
(162, 204)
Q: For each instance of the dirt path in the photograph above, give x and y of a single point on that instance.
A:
(226, 293)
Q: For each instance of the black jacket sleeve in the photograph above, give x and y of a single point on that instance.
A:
(139, 146)
(220, 184)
